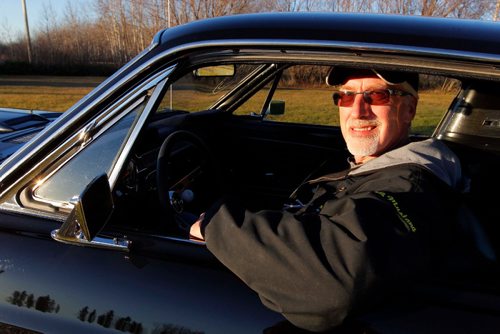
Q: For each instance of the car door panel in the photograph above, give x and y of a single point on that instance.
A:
(49, 286)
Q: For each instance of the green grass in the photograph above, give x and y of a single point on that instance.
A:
(44, 92)
(431, 107)
(41, 98)
(313, 106)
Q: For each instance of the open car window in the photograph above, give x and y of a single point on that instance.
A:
(302, 96)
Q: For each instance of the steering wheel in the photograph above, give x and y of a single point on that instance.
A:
(187, 177)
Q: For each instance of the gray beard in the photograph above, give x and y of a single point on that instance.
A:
(363, 147)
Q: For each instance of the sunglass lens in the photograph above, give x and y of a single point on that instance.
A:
(378, 97)
(342, 99)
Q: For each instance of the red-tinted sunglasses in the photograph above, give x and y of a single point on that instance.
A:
(378, 97)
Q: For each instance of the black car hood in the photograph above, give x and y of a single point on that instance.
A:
(18, 126)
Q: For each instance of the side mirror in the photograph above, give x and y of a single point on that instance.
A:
(276, 107)
(91, 212)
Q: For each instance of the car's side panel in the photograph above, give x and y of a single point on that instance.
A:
(47, 286)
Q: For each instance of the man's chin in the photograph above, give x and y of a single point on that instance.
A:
(363, 149)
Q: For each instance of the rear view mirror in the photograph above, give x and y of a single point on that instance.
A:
(215, 71)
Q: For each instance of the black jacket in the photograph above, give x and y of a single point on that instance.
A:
(360, 238)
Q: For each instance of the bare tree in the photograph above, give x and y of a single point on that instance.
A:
(9, 39)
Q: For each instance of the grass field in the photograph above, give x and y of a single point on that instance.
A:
(43, 92)
(312, 106)
(41, 98)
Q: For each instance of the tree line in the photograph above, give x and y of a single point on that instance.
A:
(107, 319)
(105, 34)
(41, 303)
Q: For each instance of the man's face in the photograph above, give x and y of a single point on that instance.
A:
(371, 130)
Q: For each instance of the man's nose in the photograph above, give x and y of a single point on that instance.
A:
(360, 108)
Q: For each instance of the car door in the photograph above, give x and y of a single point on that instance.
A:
(164, 286)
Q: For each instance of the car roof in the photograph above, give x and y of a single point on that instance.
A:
(455, 35)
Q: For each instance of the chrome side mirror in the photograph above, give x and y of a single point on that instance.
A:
(91, 212)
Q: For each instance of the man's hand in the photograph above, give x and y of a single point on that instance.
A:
(195, 230)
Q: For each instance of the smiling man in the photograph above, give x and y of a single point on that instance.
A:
(375, 113)
(367, 232)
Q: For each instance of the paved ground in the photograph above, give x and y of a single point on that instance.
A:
(63, 81)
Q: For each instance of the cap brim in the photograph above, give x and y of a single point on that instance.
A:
(403, 80)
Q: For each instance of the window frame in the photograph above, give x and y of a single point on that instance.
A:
(25, 200)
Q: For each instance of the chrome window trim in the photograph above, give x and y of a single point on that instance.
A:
(119, 162)
(74, 143)
(106, 124)
(351, 48)
(434, 66)
(70, 143)
(11, 207)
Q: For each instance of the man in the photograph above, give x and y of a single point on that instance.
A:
(366, 232)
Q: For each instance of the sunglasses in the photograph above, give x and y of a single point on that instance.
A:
(378, 97)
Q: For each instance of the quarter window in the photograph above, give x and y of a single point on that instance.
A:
(93, 160)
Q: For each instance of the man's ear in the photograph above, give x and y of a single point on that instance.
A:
(410, 109)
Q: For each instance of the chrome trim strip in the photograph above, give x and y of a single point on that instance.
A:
(120, 244)
(115, 170)
(349, 46)
(10, 207)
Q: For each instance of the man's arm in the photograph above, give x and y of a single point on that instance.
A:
(317, 268)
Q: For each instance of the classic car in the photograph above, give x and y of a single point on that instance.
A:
(94, 208)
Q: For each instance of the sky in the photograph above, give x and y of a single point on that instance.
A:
(12, 20)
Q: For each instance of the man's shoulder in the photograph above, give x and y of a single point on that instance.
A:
(431, 154)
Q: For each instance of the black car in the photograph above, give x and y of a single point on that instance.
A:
(94, 208)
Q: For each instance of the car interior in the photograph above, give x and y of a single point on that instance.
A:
(192, 157)
(187, 157)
